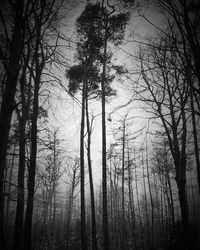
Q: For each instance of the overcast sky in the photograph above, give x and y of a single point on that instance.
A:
(66, 112)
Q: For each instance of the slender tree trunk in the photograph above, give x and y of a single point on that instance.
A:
(150, 193)
(19, 217)
(94, 238)
(82, 171)
(148, 233)
(68, 221)
(104, 167)
(141, 237)
(32, 168)
(36, 73)
(50, 201)
(158, 225)
(123, 203)
(6, 221)
(53, 223)
(131, 200)
(31, 175)
(196, 146)
(193, 198)
(52, 197)
(161, 204)
(171, 199)
(112, 205)
(7, 105)
(182, 180)
(182, 194)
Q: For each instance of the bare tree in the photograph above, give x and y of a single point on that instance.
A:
(44, 16)
(74, 180)
(11, 67)
(183, 23)
(167, 95)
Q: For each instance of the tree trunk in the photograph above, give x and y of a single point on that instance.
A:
(19, 217)
(193, 198)
(7, 105)
(94, 239)
(6, 221)
(171, 199)
(104, 167)
(141, 236)
(69, 217)
(31, 175)
(33, 155)
(112, 203)
(131, 200)
(146, 202)
(150, 193)
(196, 146)
(123, 176)
(82, 172)
(182, 194)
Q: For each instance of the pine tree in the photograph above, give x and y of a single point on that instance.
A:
(96, 28)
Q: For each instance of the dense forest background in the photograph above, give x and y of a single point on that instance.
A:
(99, 124)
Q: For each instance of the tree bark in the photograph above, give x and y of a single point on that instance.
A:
(123, 182)
(196, 146)
(32, 169)
(19, 217)
(181, 184)
(131, 199)
(171, 199)
(7, 105)
(82, 171)
(7, 210)
(94, 238)
(104, 167)
(150, 193)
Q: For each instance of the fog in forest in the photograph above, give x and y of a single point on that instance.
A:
(99, 125)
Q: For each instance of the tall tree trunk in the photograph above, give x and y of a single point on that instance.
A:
(141, 236)
(123, 176)
(32, 168)
(171, 199)
(104, 167)
(94, 238)
(53, 197)
(112, 203)
(161, 204)
(193, 198)
(69, 208)
(82, 171)
(7, 105)
(131, 199)
(31, 175)
(146, 202)
(183, 202)
(69, 217)
(150, 193)
(196, 146)
(182, 194)
(36, 73)
(6, 221)
(19, 217)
